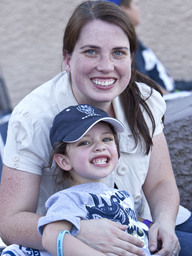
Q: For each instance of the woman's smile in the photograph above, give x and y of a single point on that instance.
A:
(103, 82)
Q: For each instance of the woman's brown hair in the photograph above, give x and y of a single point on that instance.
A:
(131, 97)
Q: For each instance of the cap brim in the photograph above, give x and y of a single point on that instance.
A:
(80, 131)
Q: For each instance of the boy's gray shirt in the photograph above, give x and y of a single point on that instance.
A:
(92, 201)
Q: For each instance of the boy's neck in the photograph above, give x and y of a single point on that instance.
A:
(74, 183)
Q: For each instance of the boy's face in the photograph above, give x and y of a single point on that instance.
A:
(93, 157)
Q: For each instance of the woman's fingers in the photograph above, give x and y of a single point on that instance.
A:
(126, 244)
(169, 243)
(110, 238)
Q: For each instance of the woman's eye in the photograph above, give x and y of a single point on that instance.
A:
(118, 53)
(90, 52)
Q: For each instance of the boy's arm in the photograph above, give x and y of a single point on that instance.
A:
(71, 245)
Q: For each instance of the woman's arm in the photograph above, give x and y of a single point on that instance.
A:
(19, 193)
(163, 197)
(71, 245)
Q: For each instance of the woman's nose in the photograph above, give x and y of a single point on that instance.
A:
(105, 64)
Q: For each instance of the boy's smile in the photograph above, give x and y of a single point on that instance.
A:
(94, 156)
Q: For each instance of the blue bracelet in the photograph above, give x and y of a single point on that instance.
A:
(60, 242)
(147, 222)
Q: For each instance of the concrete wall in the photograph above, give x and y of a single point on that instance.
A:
(30, 53)
(167, 29)
(178, 132)
(31, 42)
(31, 39)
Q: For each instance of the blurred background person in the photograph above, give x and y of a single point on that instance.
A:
(146, 61)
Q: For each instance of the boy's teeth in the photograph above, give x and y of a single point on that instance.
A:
(100, 161)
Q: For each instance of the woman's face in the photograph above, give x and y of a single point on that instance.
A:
(100, 64)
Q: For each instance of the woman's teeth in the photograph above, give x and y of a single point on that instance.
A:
(104, 83)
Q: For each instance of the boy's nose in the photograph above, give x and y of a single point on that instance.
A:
(100, 147)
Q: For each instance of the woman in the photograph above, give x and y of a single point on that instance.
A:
(98, 48)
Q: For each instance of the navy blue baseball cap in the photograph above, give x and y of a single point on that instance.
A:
(74, 122)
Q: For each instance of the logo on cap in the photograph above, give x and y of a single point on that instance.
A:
(88, 110)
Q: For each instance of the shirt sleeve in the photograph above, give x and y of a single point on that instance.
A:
(157, 106)
(62, 206)
(24, 150)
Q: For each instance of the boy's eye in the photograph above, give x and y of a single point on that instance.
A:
(83, 143)
(107, 139)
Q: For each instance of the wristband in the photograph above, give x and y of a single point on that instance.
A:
(60, 242)
(147, 222)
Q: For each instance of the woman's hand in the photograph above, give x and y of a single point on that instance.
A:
(163, 240)
(110, 238)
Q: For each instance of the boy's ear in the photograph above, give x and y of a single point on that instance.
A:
(67, 58)
(63, 162)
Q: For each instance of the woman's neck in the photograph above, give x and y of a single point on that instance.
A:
(108, 108)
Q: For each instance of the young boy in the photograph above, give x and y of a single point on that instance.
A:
(85, 146)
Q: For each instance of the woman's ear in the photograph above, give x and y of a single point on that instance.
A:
(63, 162)
(67, 58)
